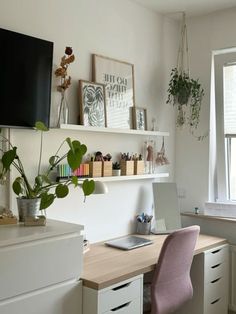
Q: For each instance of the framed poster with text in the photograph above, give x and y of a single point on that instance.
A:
(118, 77)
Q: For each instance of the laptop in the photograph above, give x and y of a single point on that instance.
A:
(129, 242)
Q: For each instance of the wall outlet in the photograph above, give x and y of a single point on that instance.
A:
(181, 193)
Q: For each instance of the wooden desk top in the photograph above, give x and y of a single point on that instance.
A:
(105, 266)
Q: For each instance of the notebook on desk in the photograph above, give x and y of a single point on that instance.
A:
(128, 242)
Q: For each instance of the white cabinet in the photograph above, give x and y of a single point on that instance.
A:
(40, 269)
(124, 297)
(209, 274)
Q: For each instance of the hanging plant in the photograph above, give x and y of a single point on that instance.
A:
(184, 92)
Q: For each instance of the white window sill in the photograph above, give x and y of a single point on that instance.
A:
(222, 209)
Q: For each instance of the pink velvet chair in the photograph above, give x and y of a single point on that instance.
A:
(171, 284)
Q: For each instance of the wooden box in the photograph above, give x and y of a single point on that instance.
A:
(127, 167)
(138, 167)
(95, 169)
(107, 168)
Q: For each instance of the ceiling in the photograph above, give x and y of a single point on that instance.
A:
(191, 7)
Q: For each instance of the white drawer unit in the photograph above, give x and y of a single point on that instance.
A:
(40, 269)
(209, 274)
(124, 297)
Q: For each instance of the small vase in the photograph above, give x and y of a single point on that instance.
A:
(28, 207)
(63, 111)
(116, 172)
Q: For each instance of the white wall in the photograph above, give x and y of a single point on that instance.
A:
(118, 29)
(206, 33)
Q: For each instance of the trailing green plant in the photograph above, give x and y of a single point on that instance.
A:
(185, 91)
(43, 187)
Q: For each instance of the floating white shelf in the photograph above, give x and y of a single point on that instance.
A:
(83, 128)
(134, 177)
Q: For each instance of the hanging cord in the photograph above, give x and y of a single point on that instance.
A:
(183, 55)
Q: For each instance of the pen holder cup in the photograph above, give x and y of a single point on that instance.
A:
(143, 227)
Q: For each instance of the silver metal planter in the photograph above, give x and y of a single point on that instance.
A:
(28, 207)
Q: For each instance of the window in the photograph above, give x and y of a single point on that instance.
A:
(222, 154)
(229, 92)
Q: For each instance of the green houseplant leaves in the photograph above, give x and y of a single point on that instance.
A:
(43, 187)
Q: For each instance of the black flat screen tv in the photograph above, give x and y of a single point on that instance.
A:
(25, 79)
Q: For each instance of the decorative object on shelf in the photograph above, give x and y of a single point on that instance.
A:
(118, 76)
(161, 158)
(149, 152)
(43, 188)
(92, 104)
(126, 165)
(184, 92)
(140, 118)
(116, 169)
(7, 217)
(65, 82)
(39, 220)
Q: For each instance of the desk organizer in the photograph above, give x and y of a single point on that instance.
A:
(127, 167)
(138, 167)
(107, 168)
(95, 169)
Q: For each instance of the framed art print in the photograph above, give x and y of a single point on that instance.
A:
(92, 104)
(140, 118)
(118, 76)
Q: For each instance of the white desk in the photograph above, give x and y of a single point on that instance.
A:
(107, 271)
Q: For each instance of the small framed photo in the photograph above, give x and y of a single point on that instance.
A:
(92, 102)
(140, 118)
(118, 76)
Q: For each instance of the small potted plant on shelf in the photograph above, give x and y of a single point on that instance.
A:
(43, 191)
(116, 169)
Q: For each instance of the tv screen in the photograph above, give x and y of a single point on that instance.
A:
(25, 79)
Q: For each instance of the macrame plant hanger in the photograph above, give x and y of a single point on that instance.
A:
(183, 68)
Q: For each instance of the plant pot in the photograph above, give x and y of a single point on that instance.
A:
(116, 172)
(28, 207)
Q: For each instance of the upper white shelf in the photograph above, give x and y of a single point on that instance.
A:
(111, 130)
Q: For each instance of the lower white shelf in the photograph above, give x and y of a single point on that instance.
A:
(133, 177)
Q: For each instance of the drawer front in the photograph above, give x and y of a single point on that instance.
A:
(120, 294)
(132, 307)
(217, 306)
(58, 299)
(216, 271)
(33, 265)
(216, 289)
(215, 256)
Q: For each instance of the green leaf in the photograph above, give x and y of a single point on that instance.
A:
(74, 158)
(88, 187)
(46, 200)
(62, 191)
(16, 186)
(83, 149)
(74, 180)
(68, 140)
(41, 126)
(8, 157)
(52, 160)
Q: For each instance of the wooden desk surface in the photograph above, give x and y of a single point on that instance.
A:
(105, 266)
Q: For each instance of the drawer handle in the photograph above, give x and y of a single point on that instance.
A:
(213, 281)
(121, 306)
(217, 300)
(216, 251)
(121, 286)
(215, 266)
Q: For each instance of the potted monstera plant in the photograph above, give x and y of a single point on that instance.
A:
(42, 192)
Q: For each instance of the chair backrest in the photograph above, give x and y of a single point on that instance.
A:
(171, 284)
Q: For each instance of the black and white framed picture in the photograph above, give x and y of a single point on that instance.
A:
(92, 104)
(140, 118)
(118, 76)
